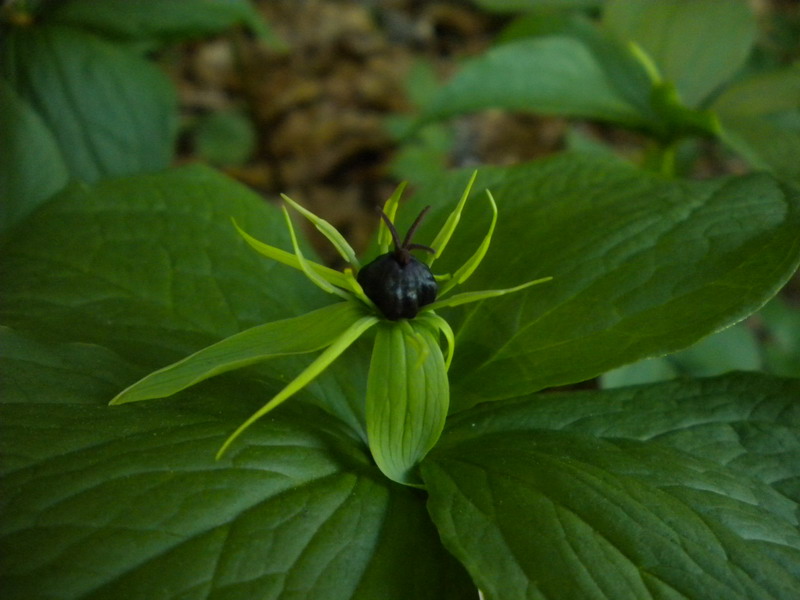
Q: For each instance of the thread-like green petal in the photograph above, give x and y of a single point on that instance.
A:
(305, 265)
(310, 373)
(468, 268)
(390, 210)
(287, 258)
(468, 297)
(344, 249)
(297, 335)
(446, 232)
(438, 323)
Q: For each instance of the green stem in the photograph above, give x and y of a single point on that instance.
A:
(660, 158)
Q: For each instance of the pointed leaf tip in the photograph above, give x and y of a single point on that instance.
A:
(319, 280)
(390, 210)
(297, 335)
(446, 232)
(338, 241)
(287, 258)
(322, 362)
(468, 268)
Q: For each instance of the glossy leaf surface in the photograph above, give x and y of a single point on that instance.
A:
(696, 44)
(109, 502)
(641, 266)
(556, 75)
(111, 111)
(158, 257)
(103, 284)
(163, 19)
(31, 166)
(612, 495)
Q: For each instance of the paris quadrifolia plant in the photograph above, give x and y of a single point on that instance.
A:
(396, 294)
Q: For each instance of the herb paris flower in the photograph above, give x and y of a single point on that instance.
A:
(407, 388)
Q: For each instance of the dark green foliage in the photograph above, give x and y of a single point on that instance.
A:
(682, 489)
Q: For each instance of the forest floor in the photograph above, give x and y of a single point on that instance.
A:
(318, 118)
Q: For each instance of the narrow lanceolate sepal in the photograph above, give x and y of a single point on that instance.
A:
(468, 268)
(407, 389)
(407, 397)
(446, 232)
(344, 249)
(468, 297)
(307, 267)
(308, 333)
(287, 258)
(390, 210)
(438, 323)
(314, 370)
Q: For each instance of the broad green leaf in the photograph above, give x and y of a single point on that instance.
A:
(298, 335)
(622, 66)
(540, 23)
(311, 372)
(31, 166)
(641, 267)
(649, 370)
(407, 397)
(586, 496)
(761, 94)
(748, 422)
(555, 75)
(732, 349)
(128, 502)
(424, 157)
(629, 70)
(150, 266)
(80, 373)
(782, 346)
(560, 515)
(764, 143)
(224, 137)
(111, 112)
(696, 44)
(506, 6)
(163, 19)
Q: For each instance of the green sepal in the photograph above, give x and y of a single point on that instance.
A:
(344, 249)
(408, 397)
(646, 61)
(468, 268)
(305, 265)
(438, 323)
(297, 335)
(390, 210)
(446, 232)
(311, 372)
(287, 258)
(468, 297)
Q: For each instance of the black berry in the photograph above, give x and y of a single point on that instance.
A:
(396, 282)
